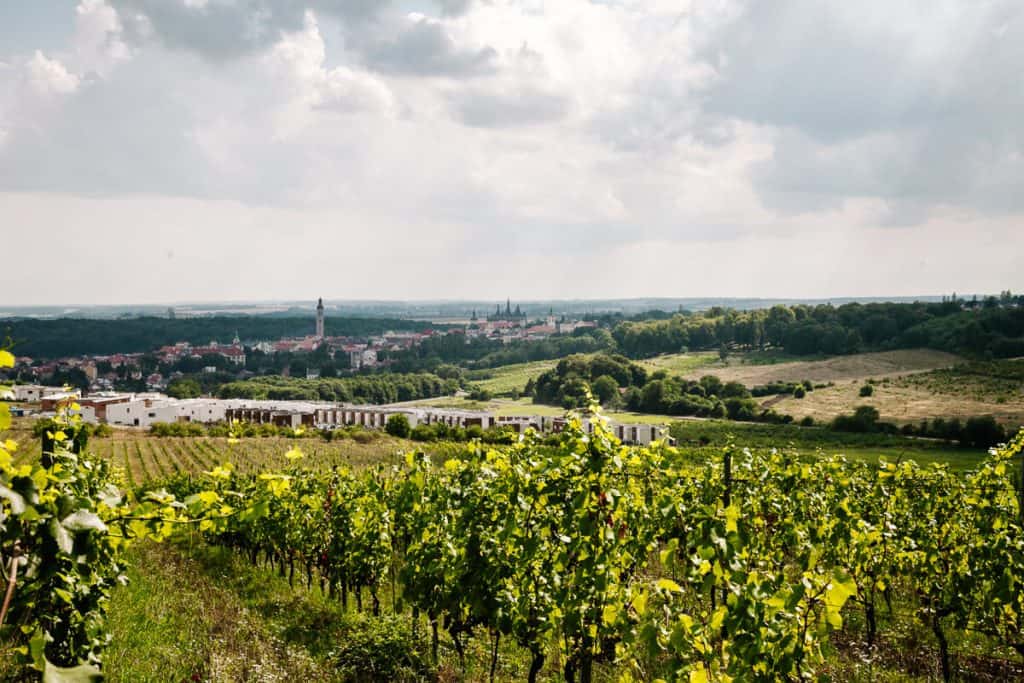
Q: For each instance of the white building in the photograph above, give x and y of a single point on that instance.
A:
(143, 411)
(29, 392)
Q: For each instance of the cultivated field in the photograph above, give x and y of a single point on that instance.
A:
(141, 457)
(837, 369)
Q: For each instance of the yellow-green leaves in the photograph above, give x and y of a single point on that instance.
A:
(669, 585)
(6, 359)
(840, 589)
(732, 513)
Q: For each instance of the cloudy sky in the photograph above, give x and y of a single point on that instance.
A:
(190, 150)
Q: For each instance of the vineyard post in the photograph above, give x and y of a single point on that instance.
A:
(727, 493)
(727, 501)
(1020, 490)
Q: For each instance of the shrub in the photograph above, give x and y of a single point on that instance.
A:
(480, 394)
(364, 436)
(867, 390)
(398, 425)
(799, 392)
(864, 419)
(807, 422)
(381, 649)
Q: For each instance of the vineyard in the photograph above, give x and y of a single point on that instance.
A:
(139, 458)
(583, 560)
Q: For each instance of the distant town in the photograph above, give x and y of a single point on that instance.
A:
(154, 370)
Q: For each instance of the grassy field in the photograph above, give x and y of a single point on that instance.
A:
(745, 369)
(682, 363)
(509, 378)
(707, 437)
(1000, 382)
(900, 402)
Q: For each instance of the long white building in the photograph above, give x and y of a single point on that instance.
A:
(143, 410)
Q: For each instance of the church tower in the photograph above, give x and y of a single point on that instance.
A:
(320, 319)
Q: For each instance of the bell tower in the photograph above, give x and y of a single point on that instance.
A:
(320, 319)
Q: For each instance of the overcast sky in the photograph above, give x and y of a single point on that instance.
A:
(171, 150)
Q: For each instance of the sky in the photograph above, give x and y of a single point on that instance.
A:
(208, 150)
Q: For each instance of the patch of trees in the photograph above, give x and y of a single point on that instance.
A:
(63, 337)
(977, 432)
(377, 388)
(825, 329)
(480, 353)
(776, 388)
(618, 382)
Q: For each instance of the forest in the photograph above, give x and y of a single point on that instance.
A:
(992, 329)
(61, 337)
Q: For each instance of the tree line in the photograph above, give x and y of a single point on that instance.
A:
(378, 389)
(61, 337)
(824, 329)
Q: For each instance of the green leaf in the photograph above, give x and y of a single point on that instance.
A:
(669, 585)
(83, 673)
(61, 536)
(83, 520)
(15, 499)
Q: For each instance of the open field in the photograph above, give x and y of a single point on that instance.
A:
(681, 363)
(509, 378)
(898, 402)
(995, 381)
(837, 369)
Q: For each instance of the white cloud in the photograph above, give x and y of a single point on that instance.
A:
(650, 140)
(48, 76)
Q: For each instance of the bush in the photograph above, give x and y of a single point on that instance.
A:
(807, 422)
(398, 426)
(800, 391)
(381, 649)
(480, 394)
(867, 390)
(864, 419)
(982, 432)
(364, 436)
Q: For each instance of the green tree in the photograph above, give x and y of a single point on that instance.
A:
(605, 388)
(398, 426)
(184, 387)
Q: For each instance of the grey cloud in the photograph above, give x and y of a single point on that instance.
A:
(454, 8)
(421, 47)
(222, 29)
(872, 104)
(481, 108)
(137, 134)
(375, 33)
